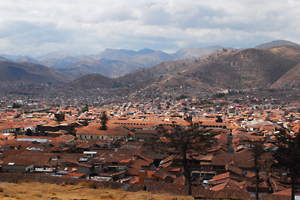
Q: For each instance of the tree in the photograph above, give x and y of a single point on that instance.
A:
(86, 108)
(183, 140)
(287, 155)
(104, 120)
(16, 105)
(219, 119)
(257, 150)
(29, 132)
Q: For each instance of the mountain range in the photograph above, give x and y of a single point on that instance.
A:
(271, 65)
(111, 62)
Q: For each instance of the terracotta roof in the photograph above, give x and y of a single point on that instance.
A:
(221, 176)
(234, 169)
(17, 162)
(286, 192)
(242, 159)
(161, 173)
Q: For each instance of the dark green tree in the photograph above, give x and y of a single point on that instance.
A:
(16, 105)
(183, 140)
(29, 132)
(86, 108)
(219, 119)
(257, 149)
(286, 157)
(104, 120)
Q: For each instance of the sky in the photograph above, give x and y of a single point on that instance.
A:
(37, 27)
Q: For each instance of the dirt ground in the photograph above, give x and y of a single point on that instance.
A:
(33, 190)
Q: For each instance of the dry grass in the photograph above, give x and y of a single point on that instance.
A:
(32, 190)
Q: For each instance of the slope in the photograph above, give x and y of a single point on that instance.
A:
(225, 69)
(92, 81)
(110, 68)
(290, 52)
(29, 73)
(289, 80)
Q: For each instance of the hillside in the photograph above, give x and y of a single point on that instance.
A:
(226, 69)
(109, 68)
(29, 73)
(258, 68)
(164, 68)
(290, 52)
(289, 80)
(92, 81)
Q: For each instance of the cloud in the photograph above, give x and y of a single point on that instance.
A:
(36, 27)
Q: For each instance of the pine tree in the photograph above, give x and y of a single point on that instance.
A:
(104, 120)
(183, 140)
(287, 155)
(257, 150)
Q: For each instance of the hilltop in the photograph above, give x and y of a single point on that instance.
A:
(276, 43)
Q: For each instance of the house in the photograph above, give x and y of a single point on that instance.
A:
(17, 165)
(55, 126)
(73, 166)
(145, 177)
(162, 175)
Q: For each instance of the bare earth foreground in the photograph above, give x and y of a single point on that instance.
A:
(33, 190)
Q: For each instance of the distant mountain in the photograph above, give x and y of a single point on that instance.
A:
(92, 81)
(145, 57)
(110, 68)
(27, 59)
(60, 59)
(276, 43)
(11, 57)
(146, 51)
(115, 54)
(56, 55)
(196, 52)
(60, 62)
(4, 59)
(14, 74)
(115, 63)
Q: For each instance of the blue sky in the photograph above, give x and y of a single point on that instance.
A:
(36, 27)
